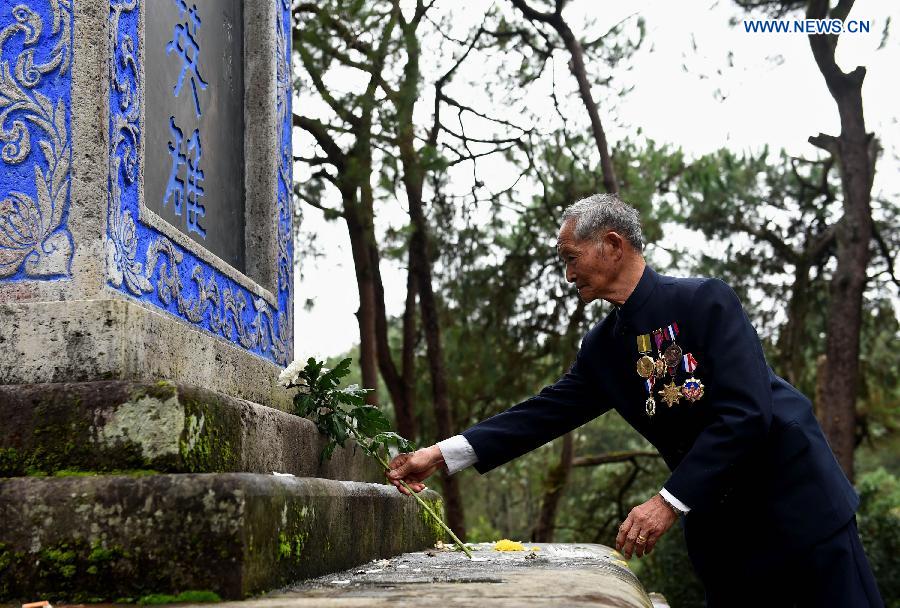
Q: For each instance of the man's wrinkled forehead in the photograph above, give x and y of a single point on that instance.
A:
(564, 246)
(565, 235)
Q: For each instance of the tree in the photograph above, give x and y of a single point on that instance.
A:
(553, 19)
(854, 151)
(776, 217)
(323, 41)
(374, 122)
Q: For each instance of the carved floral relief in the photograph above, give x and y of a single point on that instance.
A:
(35, 147)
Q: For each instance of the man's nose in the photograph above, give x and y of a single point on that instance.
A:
(570, 274)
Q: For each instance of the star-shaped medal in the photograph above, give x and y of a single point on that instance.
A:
(671, 394)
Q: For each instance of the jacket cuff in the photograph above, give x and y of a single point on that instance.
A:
(458, 453)
(669, 498)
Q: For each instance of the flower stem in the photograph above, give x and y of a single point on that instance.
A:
(426, 506)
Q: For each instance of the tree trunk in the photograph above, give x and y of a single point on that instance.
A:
(821, 368)
(576, 66)
(553, 492)
(420, 265)
(855, 151)
(395, 381)
(406, 416)
(365, 315)
(793, 333)
(558, 476)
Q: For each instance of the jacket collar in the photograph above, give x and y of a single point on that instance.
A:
(641, 293)
(627, 314)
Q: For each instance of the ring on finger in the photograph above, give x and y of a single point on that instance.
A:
(641, 539)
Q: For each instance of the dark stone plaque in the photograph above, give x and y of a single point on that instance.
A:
(194, 122)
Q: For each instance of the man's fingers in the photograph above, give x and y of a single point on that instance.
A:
(640, 544)
(631, 541)
(628, 548)
(623, 532)
(399, 466)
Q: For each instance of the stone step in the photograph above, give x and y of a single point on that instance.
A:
(165, 427)
(545, 574)
(113, 537)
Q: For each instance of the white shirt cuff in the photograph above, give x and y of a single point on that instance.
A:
(674, 501)
(458, 453)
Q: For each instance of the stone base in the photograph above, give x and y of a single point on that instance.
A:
(545, 574)
(116, 339)
(236, 534)
(174, 428)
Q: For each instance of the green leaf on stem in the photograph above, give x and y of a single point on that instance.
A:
(370, 420)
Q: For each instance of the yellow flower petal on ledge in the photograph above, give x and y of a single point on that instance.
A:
(508, 545)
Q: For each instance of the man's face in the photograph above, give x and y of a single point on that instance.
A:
(587, 264)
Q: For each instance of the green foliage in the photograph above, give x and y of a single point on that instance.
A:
(879, 529)
(340, 414)
(772, 217)
(197, 597)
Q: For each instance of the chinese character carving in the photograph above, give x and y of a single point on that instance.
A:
(193, 189)
(184, 44)
(187, 190)
(175, 185)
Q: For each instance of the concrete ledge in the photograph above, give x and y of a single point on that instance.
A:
(115, 425)
(555, 575)
(116, 537)
(117, 339)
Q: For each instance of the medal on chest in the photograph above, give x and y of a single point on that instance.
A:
(669, 360)
(645, 367)
(692, 388)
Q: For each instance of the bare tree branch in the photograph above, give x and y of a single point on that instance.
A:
(612, 457)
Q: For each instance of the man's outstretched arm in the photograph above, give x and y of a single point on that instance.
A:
(455, 454)
(638, 534)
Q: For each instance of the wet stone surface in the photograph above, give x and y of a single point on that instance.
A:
(448, 565)
(551, 575)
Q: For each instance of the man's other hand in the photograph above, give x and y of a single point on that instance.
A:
(414, 468)
(644, 526)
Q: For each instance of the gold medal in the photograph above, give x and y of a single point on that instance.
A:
(645, 367)
(659, 367)
(692, 389)
(671, 394)
(645, 362)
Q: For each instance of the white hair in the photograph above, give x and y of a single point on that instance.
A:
(605, 212)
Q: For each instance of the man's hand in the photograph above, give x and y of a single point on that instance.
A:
(644, 526)
(414, 468)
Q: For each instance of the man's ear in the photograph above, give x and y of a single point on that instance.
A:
(615, 243)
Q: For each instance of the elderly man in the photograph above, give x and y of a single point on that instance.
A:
(768, 515)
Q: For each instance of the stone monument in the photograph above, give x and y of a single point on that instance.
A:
(146, 293)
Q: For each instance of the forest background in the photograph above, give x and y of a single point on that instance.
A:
(437, 144)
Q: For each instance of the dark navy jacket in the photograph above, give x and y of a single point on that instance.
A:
(750, 447)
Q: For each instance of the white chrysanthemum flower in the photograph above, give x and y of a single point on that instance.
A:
(290, 376)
